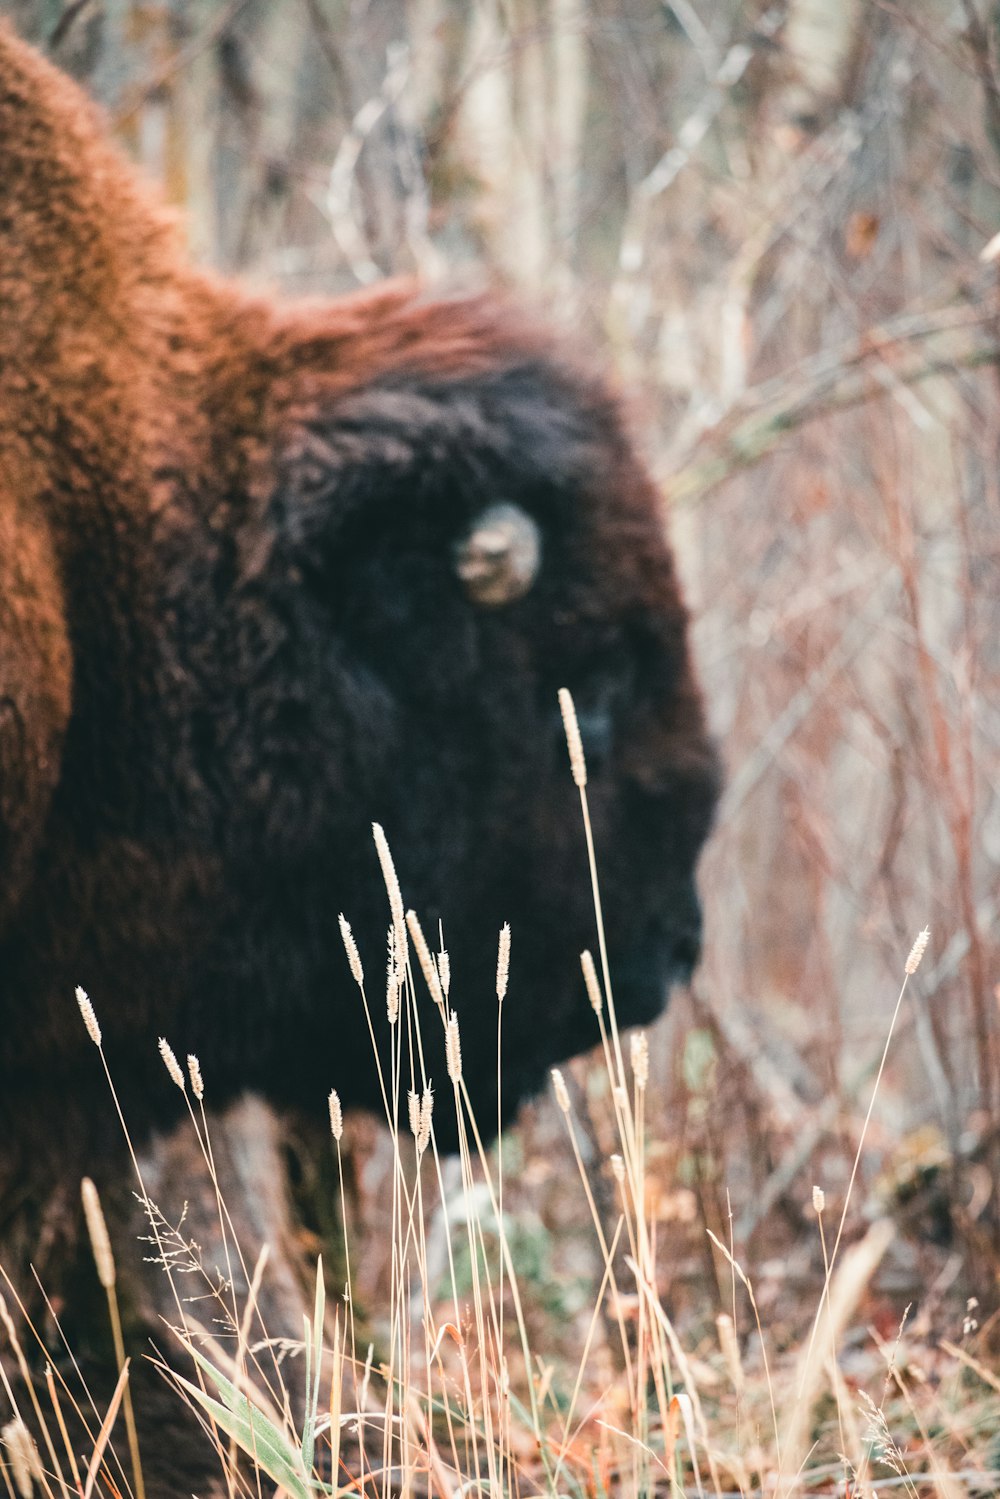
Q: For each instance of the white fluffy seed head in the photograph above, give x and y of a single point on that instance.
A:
(393, 976)
(424, 958)
(171, 1063)
(97, 1229)
(400, 951)
(592, 982)
(561, 1091)
(819, 1200)
(351, 949)
(444, 971)
(618, 1168)
(453, 1049)
(426, 1111)
(574, 743)
(917, 950)
(194, 1073)
(89, 1018)
(503, 961)
(392, 888)
(640, 1058)
(336, 1115)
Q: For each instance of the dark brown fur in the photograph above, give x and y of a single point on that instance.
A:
(231, 636)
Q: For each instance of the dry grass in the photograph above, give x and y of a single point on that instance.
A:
(471, 1383)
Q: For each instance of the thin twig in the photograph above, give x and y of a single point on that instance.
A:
(829, 382)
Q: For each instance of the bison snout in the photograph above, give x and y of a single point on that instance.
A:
(683, 923)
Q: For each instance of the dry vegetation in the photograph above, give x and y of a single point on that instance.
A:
(780, 219)
(457, 1381)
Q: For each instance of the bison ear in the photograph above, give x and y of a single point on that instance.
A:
(35, 694)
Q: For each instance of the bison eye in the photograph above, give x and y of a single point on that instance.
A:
(498, 559)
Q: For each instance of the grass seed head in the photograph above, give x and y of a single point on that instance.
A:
(336, 1115)
(640, 1059)
(97, 1229)
(917, 951)
(89, 1018)
(562, 1092)
(453, 1049)
(171, 1063)
(393, 976)
(194, 1073)
(351, 948)
(819, 1201)
(444, 971)
(25, 1464)
(592, 982)
(618, 1168)
(424, 958)
(426, 1111)
(413, 1111)
(577, 762)
(503, 961)
(391, 886)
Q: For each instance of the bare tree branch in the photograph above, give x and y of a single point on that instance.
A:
(905, 350)
(978, 40)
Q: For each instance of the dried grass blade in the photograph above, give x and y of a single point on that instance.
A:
(97, 1456)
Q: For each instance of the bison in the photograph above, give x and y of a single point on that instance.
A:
(270, 571)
